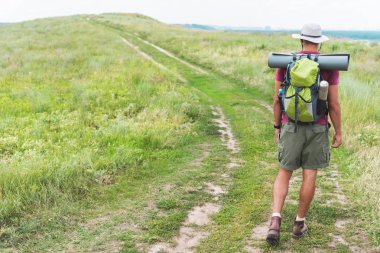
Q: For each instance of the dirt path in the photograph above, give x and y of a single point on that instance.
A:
(194, 229)
(150, 58)
(167, 53)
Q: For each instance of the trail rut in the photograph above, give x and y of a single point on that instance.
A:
(150, 58)
(167, 53)
(194, 229)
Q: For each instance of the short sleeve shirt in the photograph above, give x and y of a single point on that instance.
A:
(331, 76)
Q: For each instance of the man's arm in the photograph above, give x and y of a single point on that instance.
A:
(335, 115)
(277, 109)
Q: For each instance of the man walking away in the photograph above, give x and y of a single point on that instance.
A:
(300, 144)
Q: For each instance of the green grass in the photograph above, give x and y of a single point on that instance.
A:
(93, 134)
(241, 58)
(248, 202)
(79, 110)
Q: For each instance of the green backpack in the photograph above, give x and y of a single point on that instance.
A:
(300, 96)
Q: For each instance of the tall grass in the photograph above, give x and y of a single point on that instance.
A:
(78, 107)
(243, 56)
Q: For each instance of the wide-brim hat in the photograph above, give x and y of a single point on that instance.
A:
(312, 33)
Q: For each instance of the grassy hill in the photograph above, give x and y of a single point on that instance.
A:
(100, 144)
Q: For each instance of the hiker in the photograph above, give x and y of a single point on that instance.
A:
(302, 144)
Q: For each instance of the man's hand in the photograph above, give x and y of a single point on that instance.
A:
(335, 115)
(337, 140)
(277, 134)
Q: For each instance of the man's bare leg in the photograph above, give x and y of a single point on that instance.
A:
(306, 196)
(280, 189)
(307, 191)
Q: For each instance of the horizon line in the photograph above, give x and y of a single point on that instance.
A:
(244, 27)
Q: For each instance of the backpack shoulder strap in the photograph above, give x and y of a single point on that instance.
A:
(316, 57)
(294, 56)
(287, 74)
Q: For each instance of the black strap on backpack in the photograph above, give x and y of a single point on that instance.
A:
(287, 73)
(294, 56)
(316, 57)
(296, 109)
(297, 90)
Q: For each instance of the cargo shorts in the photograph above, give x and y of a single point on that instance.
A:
(307, 148)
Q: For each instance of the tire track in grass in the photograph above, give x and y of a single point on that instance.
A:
(149, 58)
(194, 229)
(264, 104)
(356, 242)
(171, 55)
(200, 70)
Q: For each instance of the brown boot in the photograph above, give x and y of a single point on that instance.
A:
(299, 229)
(273, 237)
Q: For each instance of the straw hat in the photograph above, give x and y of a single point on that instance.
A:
(312, 33)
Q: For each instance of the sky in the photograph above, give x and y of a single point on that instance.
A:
(279, 14)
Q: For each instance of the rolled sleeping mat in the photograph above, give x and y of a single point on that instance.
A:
(326, 61)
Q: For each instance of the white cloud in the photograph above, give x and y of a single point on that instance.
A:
(337, 14)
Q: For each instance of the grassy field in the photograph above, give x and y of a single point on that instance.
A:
(243, 57)
(92, 132)
(78, 109)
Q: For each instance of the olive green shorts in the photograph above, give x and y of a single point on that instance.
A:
(307, 148)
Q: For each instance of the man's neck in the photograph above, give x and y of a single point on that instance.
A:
(310, 49)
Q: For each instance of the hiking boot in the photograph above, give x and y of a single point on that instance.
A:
(273, 237)
(299, 229)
